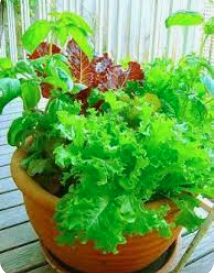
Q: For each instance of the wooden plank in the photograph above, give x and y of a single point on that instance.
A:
(3, 140)
(12, 217)
(3, 132)
(15, 102)
(43, 269)
(25, 18)
(13, 108)
(3, 38)
(27, 251)
(146, 30)
(10, 199)
(154, 29)
(5, 160)
(46, 269)
(205, 247)
(17, 236)
(123, 27)
(6, 185)
(7, 117)
(22, 259)
(5, 124)
(12, 31)
(6, 149)
(134, 18)
(5, 171)
(203, 265)
(18, 108)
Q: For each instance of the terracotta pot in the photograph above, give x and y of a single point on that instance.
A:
(139, 252)
(164, 264)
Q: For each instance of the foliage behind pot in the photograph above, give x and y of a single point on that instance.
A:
(112, 137)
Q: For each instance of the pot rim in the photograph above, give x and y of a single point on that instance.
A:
(32, 189)
(28, 185)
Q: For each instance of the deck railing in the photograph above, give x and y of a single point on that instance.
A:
(123, 28)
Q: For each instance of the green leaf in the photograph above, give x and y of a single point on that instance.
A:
(56, 82)
(209, 27)
(197, 62)
(184, 18)
(69, 18)
(31, 94)
(187, 216)
(14, 135)
(59, 74)
(127, 183)
(78, 87)
(5, 63)
(62, 33)
(66, 238)
(9, 90)
(188, 219)
(63, 157)
(207, 191)
(127, 209)
(209, 84)
(95, 96)
(82, 41)
(24, 68)
(60, 79)
(36, 34)
(36, 166)
(63, 102)
(24, 127)
(165, 230)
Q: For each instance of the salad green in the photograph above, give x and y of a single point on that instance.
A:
(112, 138)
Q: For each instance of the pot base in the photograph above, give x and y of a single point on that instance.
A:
(163, 264)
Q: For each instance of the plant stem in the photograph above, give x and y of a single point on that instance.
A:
(209, 101)
(51, 47)
(202, 45)
(51, 44)
(199, 236)
(2, 7)
(209, 68)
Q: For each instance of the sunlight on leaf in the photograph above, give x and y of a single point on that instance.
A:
(209, 27)
(209, 84)
(31, 94)
(184, 18)
(9, 90)
(36, 34)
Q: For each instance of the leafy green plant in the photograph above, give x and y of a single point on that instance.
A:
(62, 26)
(185, 18)
(191, 18)
(120, 165)
(112, 138)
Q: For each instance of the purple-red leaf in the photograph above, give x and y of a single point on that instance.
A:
(81, 67)
(44, 49)
(100, 72)
(46, 89)
(117, 77)
(101, 67)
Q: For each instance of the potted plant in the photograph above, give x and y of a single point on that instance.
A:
(111, 169)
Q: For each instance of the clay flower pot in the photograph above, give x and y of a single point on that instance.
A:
(137, 254)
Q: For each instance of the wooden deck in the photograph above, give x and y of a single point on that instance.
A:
(20, 251)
